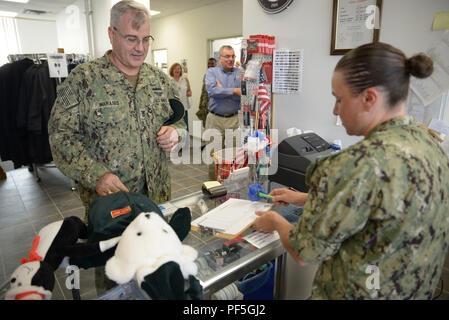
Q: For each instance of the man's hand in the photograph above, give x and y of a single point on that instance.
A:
(109, 183)
(237, 91)
(167, 138)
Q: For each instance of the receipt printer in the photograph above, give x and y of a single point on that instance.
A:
(294, 156)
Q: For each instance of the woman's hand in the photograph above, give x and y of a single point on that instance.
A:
(284, 197)
(266, 221)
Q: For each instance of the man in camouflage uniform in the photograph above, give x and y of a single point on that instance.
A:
(106, 127)
(204, 99)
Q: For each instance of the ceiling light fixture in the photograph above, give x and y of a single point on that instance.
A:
(20, 1)
(154, 12)
(8, 14)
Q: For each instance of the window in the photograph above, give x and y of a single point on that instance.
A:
(9, 39)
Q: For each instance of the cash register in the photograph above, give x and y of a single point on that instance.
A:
(294, 156)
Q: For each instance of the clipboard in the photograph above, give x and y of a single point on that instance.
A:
(230, 219)
(219, 234)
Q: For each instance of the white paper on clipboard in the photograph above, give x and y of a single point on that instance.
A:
(232, 216)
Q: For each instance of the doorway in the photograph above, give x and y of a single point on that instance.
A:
(235, 42)
(160, 59)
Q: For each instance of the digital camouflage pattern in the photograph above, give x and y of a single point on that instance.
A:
(101, 124)
(204, 104)
(382, 202)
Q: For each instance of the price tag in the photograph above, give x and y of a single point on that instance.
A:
(57, 65)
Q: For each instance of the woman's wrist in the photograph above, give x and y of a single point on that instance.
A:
(301, 199)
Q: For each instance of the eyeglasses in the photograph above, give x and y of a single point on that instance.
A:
(133, 40)
(229, 56)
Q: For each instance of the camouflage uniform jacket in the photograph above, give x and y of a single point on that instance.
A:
(204, 104)
(101, 124)
(382, 202)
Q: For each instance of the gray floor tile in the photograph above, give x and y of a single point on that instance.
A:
(42, 211)
(78, 212)
(17, 238)
(11, 201)
(12, 259)
(12, 209)
(7, 193)
(38, 224)
(186, 182)
(69, 205)
(57, 293)
(64, 196)
(37, 203)
(9, 221)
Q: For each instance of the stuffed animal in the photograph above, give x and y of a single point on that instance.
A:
(53, 243)
(31, 281)
(148, 243)
(151, 252)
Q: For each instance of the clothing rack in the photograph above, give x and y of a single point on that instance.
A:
(39, 58)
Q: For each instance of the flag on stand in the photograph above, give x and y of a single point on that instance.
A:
(262, 95)
(240, 158)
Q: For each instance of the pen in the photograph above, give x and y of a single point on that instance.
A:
(267, 196)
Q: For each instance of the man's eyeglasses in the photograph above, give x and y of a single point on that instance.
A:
(228, 56)
(133, 40)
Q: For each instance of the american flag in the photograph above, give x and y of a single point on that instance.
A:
(240, 158)
(262, 95)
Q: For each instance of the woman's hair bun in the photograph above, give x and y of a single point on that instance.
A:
(420, 66)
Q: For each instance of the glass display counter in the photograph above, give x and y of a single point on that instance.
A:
(219, 270)
(218, 266)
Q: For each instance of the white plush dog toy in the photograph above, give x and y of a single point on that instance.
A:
(146, 244)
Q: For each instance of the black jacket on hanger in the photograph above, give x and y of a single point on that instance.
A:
(11, 76)
(33, 112)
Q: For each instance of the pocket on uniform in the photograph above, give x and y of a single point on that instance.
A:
(109, 115)
(159, 112)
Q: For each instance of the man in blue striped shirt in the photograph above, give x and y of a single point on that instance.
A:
(224, 89)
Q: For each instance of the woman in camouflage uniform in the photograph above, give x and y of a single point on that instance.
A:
(381, 205)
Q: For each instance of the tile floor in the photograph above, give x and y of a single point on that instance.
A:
(27, 205)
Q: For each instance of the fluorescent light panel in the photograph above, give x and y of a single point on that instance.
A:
(20, 1)
(154, 12)
(8, 14)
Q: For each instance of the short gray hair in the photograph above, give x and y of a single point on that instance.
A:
(122, 7)
(225, 47)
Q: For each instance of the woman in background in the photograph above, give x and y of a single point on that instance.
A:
(183, 85)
